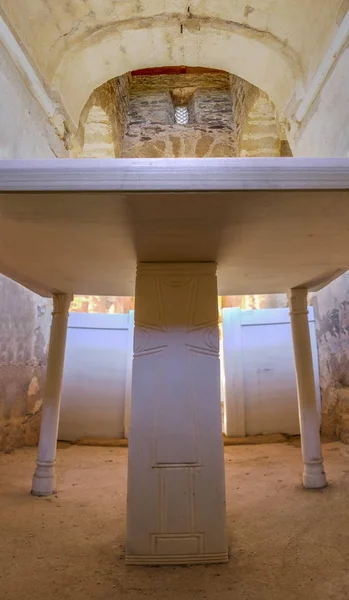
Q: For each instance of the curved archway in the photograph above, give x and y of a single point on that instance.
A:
(102, 122)
(98, 135)
(260, 135)
(255, 56)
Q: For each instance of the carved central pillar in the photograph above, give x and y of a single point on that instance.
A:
(176, 491)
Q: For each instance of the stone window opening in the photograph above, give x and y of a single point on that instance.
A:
(183, 103)
(181, 115)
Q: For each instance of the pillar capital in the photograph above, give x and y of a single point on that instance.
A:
(298, 301)
(61, 303)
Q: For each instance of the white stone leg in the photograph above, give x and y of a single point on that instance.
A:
(313, 475)
(176, 490)
(44, 480)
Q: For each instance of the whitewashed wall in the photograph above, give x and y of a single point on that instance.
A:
(325, 130)
(258, 377)
(260, 380)
(97, 376)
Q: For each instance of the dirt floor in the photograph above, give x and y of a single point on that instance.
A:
(286, 543)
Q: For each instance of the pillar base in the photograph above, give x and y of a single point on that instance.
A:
(44, 480)
(199, 559)
(314, 476)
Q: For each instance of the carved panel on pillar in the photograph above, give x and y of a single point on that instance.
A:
(176, 497)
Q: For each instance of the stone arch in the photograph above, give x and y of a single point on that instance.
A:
(102, 122)
(98, 139)
(261, 131)
(258, 57)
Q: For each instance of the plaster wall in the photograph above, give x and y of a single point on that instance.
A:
(24, 317)
(134, 117)
(214, 107)
(24, 334)
(331, 306)
(275, 44)
(25, 130)
(62, 26)
(98, 364)
(325, 131)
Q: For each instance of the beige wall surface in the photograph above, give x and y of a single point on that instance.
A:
(25, 129)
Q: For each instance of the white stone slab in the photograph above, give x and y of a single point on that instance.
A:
(143, 174)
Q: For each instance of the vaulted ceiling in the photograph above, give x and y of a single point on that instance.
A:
(76, 45)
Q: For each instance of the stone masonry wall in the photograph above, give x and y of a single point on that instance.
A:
(152, 131)
(164, 83)
(151, 107)
(103, 121)
(261, 131)
(99, 141)
(227, 117)
(243, 95)
(331, 307)
(26, 133)
(214, 108)
(178, 141)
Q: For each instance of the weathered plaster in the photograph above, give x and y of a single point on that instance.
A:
(163, 42)
(277, 45)
(31, 79)
(325, 130)
(62, 27)
(25, 129)
(24, 317)
(332, 322)
(24, 331)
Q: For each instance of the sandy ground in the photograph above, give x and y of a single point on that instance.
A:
(286, 543)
